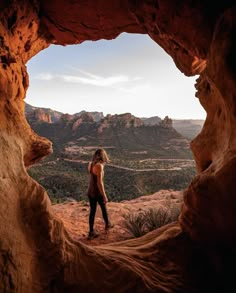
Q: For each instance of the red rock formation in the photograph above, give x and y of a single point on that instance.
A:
(166, 122)
(36, 252)
(209, 200)
(85, 117)
(40, 115)
(126, 120)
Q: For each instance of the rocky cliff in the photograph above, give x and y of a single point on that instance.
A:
(36, 114)
(39, 116)
(194, 255)
(124, 135)
(189, 128)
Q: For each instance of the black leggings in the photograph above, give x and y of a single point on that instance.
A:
(93, 207)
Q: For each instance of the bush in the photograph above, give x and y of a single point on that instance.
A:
(156, 218)
(140, 223)
(134, 223)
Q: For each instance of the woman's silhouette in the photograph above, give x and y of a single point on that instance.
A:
(96, 191)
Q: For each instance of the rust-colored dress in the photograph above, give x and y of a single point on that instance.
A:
(95, 197)
(93, 190)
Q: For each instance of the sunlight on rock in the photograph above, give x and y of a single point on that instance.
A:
(194, 254)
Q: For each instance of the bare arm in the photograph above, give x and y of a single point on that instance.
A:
(89, 167)
(100, 175)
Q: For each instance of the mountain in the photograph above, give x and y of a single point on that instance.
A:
(189, 128)
(37, 114)
(144, 159)
(151, 120)
(96, 115)
(124, 135)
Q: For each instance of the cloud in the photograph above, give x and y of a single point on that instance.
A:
(97, 80)
(121, 82)
(90, 79)
(45, 76)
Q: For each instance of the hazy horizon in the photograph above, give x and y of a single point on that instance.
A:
(130, 74)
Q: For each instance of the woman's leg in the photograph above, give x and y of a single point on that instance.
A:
(104, 210)
(93, 208)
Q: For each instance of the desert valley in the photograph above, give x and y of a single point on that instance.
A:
(147, 154)
(151, 164)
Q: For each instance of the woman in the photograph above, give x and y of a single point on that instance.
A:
(96, 190)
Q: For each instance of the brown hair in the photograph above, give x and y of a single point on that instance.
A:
(101, 156)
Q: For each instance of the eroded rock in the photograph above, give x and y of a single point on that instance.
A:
(36, 252)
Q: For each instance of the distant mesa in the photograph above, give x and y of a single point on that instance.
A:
(84, 118)
(97, 116)
(125, 120)
(36, 114)
(66, 117)
(39, 115)
(125, 135)
(87, 117)
(152, 120)
(189, 128)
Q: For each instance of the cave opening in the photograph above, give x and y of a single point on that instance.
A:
(194, 254)
(126, 83)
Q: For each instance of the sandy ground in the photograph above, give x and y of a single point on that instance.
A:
(75, 215)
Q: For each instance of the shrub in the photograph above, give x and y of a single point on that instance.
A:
(140, 223)
(156, 218)
(134, 223)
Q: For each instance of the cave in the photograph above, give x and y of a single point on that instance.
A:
(195, 254)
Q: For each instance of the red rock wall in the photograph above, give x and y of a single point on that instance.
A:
(210, 199)
(36, 254)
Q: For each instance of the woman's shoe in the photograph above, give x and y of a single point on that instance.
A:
(92, 235)
(109, 226)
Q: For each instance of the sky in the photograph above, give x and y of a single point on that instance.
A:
(128, 74)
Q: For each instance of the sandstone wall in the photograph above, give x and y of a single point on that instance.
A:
(36, 254)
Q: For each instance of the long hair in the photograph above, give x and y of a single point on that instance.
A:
(101, 156)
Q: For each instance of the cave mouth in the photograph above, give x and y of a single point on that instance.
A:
(130, 74)
(36, 251)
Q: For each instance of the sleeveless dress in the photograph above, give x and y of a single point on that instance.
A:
(95, 197)
(93, 190)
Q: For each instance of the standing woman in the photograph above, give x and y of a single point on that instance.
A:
(96, 190)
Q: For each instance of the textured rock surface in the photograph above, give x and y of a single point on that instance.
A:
(39, 115)
(36, 252)
(210, 201)
(126, 120)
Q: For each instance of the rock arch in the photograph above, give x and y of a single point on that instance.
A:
(36, 253)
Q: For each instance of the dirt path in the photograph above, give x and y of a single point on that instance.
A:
(127, 168)
(142, 170)
(130, 169)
